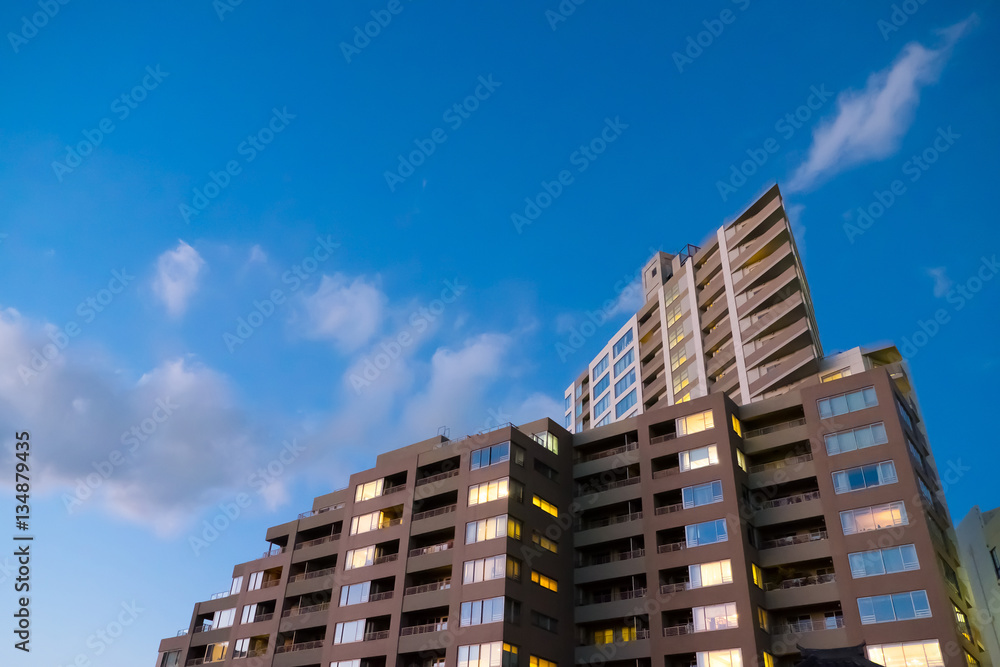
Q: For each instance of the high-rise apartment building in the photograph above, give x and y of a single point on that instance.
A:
(979, 544)
(783, 500)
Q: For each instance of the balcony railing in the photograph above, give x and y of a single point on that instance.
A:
(669, 509)
(438, 512)
(318, 540)
(753, 433)
(384, 595)
(667, 589)
(596, 456)
(831, 623)
(666, 472)
(668, 548)
(619, 638)
(432, 549)
(263, 618)
(299, 611)
(609, 521)
(311, 575)
(662, 438)
(220, 595)
(321, 510)
(270, 582)
(799, 582)
(423, 629)
(783, 463)
(436, 478)
(794, 539)
(584, 489)
(181, 633)
(207, 627)
(388, 558)
(615, 597)
(393, 489)
(304, 646)
(611, 558)
(444, 584)
(274, 552)
(375, 636)
(789, 500)
(678, 630)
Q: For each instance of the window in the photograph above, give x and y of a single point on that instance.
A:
(368, 490)
(535, 661)
(567, 421)
(678, 357)
(675, 336)
(715, 617)
(624, 362)
(347, 663)
(546, 470)
(925, 491)
(693, 459)
(362, 557)
(671, 294)
(544, 622)
(364, 523)
(223, 618)
(249, 613)
(701, 421)
(844, 403)
(622, 343)
(600, 367)
(625, 404)
(256, 579)
(715, 573)
(493, 654)
(543, 581)
(602, 384)
(216, 652)
(741, 460)
(895, 607)
(702, 494)
(625, 383)
(865, 519)
(836, 375)
(674, 313)
(492, 567)
(355, 593)
(480, 612)
(883, 561)
(758, 575)
(544, 505)
(544, 542)
(858, 438)
(237, 585)
(568, 403)
(492, 528)
(737, 427)
(864, 477)
(709, 532)
(763, 620)
(996, 561)
(969, 660)
(173, 659)
(724, 658)
(488, 456)
(547, 440)
(602, 405)
(349, 632)
(681, 379)
(768, 659)
(604, 422)
(904, 414)
(489, 491)
(241, 648)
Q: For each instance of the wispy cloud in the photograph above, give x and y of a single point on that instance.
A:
(942, 283)
(870, 123)
(347, 311)
(177, 274)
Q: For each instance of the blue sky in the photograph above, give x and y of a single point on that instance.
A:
(279, 139)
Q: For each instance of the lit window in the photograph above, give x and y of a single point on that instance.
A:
(715, 617)
(842, 373)
(493, 654)
(698, 458)
(489, 491)
(864, 519)
(737, 427)
(864, 477)
(723, 658)
(763, 621)
(858, 438)
(543, 581)
(674, 313)
(695, 423)
(367, 522)
(544, 542)
(492, 528)
(368, 491)
(544, 505)
(547, 440)
(844, 403)
(362, 557)
(492, 567)
(681, 379)
(535, 661)
(758, 576)
(704, 575)
(708, 532)
(703, 494)
(894, 607)
(216, 652)
(678, 357)
(684, 399)
(741, 460)
(675, 336)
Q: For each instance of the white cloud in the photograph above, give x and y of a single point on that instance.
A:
(942, 283)
(257, 254)
(870, 123)
(177, 273)
(347, 312)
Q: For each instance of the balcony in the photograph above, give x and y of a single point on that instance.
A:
(436, 478)
(317, 541)
(609, 521)
(671, 547)
(678, 630)
(801, 591)
(321, 510)
(311, 575)
(679, 587)
(828, 633)
(304, 646)
(388, 558)
(615, 597)
(442, 585)
(274, 552)
(585, 490)
(299, 611)
(789, 500)
(438, 512)
(797, 548)
(666, 472)
(662, 438)
(773, 429)
(778, 465)
(376, 636)
(669, 509)
(423, 629)
(628, 447)
(432, 549)
(611, 558)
